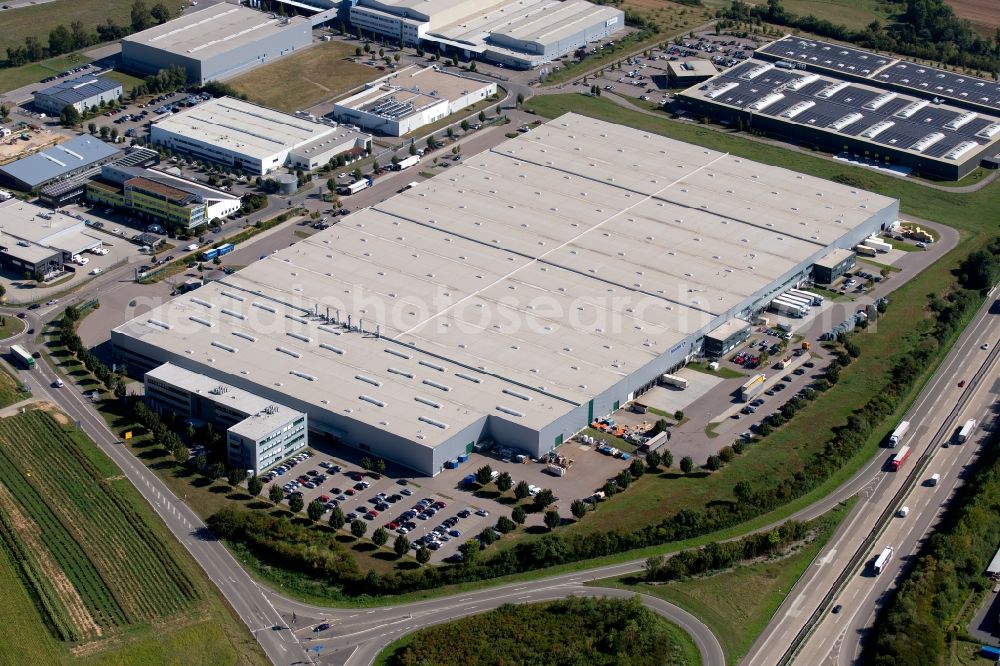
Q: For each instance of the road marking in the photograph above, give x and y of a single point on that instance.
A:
(826, 559)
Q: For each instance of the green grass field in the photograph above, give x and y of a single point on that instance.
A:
(853, 13)
(127, 80)
(15, 77)
(86, 570)
(318, 73)
(738, 603)
(39, 20)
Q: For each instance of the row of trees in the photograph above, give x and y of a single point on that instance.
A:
(926, 29)
(71, 341)
(64, 39)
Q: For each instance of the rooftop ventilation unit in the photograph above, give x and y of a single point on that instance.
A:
(880, 101)
(766, 101)
(830, 91)
(926, 142)
(801, 82)
(961, 120)
(960, 150)
(797, 108)
(877, 129)
(911, 109)
(844, 121)
(989, 132)
(752, 74)
(724, 88)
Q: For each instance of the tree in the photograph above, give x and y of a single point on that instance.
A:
(358, 528)
(69, 116)
(484, 475)
(161, 13)
(216, 471)
(91, 127)
(519, 515)
(331, 184)
(465, 125)
(181, 453)
(653, 460)
(743, 491)
(60, 40)
(380, 466)
(482, 116)
(714, 463)
(578, 508)
(423, 555)
(470, 552)
(401, 545)
(235, 476)
(544, 498)
(487, 537)
(679, 415)
(4, 113)
(726, 454)
(505, 525)
(520, 99)
(366, 463)
(504, 482)
(624, 479)
(610, 488)
(315, 510)
(552, 519)
(337, 519)
(114, 133)
(141, 16)
(637, 467)
(358, 51)
(295, 504)
(380, 536)
(521, 490)
(687, 464)
(80, 35)
(255, 485)
(105, 131)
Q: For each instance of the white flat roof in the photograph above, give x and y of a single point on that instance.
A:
(729, 328)
(213, 30)
(834, 257)
(419, 86)
(522, 282)
(242, 127)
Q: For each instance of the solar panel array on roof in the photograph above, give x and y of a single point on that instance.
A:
(76, 90)
(858, 110)
(889, 70)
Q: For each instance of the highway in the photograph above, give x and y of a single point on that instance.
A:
(933, 419)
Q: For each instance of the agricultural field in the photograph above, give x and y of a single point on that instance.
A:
(99, 576)
(854, 14)
(321, 72)
(984, 14)
(10, 389)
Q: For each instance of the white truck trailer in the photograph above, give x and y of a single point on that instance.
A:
(966, 430)
(406, 162)
(782, 306)
(898, 434)
(674, 380)
(882, 561)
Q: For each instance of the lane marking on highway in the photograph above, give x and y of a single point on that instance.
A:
(826, 559)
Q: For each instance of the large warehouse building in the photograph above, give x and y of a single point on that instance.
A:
(411, 99)
(515, 33)
(216, 42)
(39, 241)
(850, 101)
(528, 290)
(79, 154)
(254, 139)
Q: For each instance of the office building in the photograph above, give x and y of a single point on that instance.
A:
(216, 42)
(533, 287)
(515, 33)
(410, 99)
(253, 139)
(81, 93)
(827, 270)
(38, 241)
(259, 432)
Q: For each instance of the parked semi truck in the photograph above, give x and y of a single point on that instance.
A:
(882, 561)
(805, 303)
(674, 380)
(816, 298)
(406, 163)
(966, 430)
(900, 458)
(752, 387)
(785, 307)
(865, 250)
(898, 433)
(354, 187)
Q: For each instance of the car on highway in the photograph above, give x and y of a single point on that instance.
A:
(985, 345)
(35, 306)
(961, 384)
(58, 383)
(836, 609)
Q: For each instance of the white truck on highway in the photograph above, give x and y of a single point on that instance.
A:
(966, 430)
(406, 163)
(898, 433)
(882, 561)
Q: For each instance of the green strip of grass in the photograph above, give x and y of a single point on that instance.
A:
(722, 372)
(737, 604)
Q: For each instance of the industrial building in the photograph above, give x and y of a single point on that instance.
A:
(410, 99)
(684, 73)
(259, 432)
(515, 33)
(82, 93)
(831, 267)
(216, 42)
(542, 283)
(887, 128)
(253, 139)
(726, 337)
(38, 241)
(153, 195)
(79, 154)
(69, 190)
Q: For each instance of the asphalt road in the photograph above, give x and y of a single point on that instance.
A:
(840, 634)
